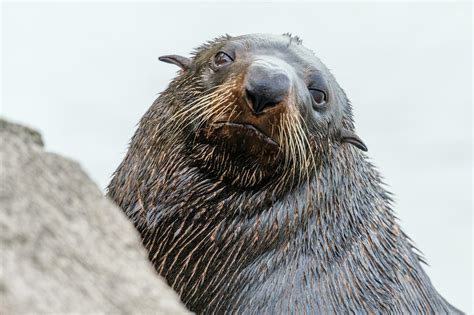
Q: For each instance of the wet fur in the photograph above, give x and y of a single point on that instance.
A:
(318, 236)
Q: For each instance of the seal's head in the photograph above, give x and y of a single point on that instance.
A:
(256, 109)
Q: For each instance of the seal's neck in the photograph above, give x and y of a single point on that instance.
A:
(202, 234)
(344, 196)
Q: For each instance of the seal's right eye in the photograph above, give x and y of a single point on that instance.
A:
(222, 59)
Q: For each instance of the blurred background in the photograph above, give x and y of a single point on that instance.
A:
(84, 74)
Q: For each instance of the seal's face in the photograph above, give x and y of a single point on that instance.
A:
(261, 107)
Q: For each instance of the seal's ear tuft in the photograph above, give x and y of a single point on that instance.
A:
(182, 62)
(350, 137)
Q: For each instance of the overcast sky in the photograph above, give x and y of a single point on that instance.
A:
(84, 74)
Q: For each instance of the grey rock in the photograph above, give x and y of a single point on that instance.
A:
(65, 248)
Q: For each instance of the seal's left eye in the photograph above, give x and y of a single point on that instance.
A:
(319, 96)
(221, 59)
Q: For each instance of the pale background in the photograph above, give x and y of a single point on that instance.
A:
(83, 74)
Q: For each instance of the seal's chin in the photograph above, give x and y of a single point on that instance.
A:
(242, 142)
(237, 152)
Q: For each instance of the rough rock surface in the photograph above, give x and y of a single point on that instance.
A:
(65, 248)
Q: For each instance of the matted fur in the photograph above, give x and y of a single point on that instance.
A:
(318, 237)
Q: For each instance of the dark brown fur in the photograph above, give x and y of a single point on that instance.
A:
(308, 230)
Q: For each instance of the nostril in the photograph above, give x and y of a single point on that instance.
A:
(252, 99)
(259, 101)
(266, 87)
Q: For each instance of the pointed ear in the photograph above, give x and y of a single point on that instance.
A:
(182, 62)
(350, 137)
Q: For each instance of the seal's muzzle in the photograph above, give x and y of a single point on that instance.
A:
(266, 86)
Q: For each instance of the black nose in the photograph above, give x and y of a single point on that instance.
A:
(266, 87)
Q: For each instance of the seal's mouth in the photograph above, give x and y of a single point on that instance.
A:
(247, 129)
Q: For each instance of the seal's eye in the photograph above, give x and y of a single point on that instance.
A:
(222, 59)
(319, 97)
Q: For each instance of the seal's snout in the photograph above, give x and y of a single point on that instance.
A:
(266, 86)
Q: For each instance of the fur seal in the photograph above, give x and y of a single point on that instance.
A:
(253, 194)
